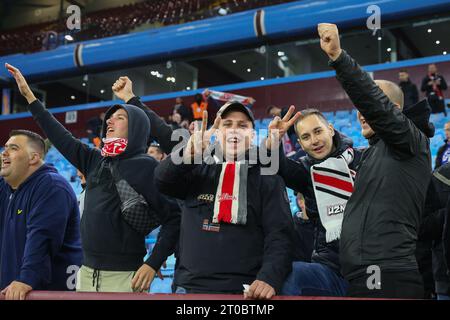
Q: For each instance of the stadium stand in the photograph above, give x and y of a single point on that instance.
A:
(303, 88)
(341, 122)
(120, 20)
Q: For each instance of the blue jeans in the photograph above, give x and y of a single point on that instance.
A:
(314, 279)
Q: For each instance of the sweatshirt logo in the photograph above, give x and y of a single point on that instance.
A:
(19, 212)
(227, 196)
(210, 227)
(206, 197)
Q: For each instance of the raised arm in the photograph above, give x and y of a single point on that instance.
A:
(160, 130)
(294, 174)
(387, 120)
(77, 153)
(175, 174)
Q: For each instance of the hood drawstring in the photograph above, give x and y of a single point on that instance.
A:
(95, 279)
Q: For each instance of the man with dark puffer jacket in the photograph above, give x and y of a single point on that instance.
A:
(382, 218)
(113, 250)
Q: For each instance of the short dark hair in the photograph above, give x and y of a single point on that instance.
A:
(403, 70)
(309, 112)
(33, 138)
(269, 108)
(157, 146)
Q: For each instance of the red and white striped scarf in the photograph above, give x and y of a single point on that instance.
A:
(230, 204)
(113, 146)
(333, 185)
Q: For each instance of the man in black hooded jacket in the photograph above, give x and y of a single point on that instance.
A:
(113, 250)
(382, 217)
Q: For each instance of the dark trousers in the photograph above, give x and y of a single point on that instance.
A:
(400, 285)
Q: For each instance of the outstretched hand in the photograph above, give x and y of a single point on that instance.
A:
(201, 137)
(278, 127)
(24, 88)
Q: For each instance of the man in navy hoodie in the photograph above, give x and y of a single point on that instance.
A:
(39, 221)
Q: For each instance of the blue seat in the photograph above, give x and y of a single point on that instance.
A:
(329, 116)
(342, 114)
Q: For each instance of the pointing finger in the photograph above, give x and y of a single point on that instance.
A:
(294, 119)
(288, 114)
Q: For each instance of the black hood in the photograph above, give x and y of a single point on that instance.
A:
(138, 129)
(419, 113)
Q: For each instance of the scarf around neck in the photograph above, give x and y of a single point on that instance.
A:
(333, 185)
(230, 204)
(113, 146)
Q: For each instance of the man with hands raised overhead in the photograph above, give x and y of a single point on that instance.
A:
(382, 217)
(113, 248)
(159, 129)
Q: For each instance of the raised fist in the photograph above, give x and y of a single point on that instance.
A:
(329, 40)
(123, 89)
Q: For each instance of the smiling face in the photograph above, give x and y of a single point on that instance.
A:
(117, 124)
(19, 160)
(235, 134)
(315, 136)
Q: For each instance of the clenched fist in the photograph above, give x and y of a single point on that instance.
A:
(123, 89)
(329, 40)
